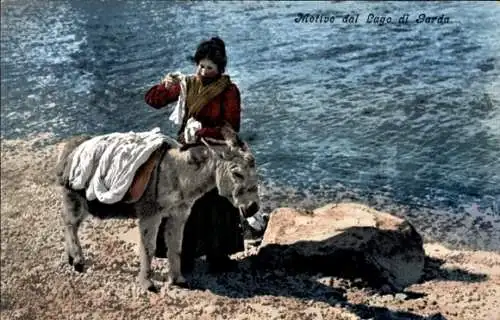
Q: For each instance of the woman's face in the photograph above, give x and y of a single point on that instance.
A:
(207, 69)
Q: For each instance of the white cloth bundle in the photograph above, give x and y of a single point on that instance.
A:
(178, 114)
(106, 165)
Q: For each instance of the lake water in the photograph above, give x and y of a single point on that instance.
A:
(405, 112)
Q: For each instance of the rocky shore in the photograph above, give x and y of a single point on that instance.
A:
(458, 281)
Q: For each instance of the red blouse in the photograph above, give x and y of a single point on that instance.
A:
(210, 115)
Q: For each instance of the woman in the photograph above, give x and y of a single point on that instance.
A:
(206, 101)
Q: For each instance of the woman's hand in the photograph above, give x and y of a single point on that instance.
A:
(167, 91)
(192, 126)
(171, 79)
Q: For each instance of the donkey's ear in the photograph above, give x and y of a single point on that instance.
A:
(245, 146)
(227, 131)
(229, 135)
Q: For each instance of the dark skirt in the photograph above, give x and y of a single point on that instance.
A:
(213, 229)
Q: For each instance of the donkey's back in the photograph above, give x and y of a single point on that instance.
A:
(76, 200)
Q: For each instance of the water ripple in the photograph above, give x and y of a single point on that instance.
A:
(414, 109)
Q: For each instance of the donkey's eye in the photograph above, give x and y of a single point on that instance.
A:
(238, 175)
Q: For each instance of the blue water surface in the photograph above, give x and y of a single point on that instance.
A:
(410, 111)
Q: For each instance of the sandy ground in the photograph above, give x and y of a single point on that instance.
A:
(37, 283)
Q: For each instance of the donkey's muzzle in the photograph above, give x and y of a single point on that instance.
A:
(251, 210)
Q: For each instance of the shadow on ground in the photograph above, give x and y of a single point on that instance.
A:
(251, 280)
(435, 271)
(246, 283)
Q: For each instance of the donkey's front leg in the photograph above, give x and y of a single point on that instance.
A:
(148, 228)
(173, 238)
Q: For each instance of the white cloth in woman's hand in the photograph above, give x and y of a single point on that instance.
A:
(178, 113)
(190, 131)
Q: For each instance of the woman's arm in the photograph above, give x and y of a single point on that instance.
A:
(159, 96)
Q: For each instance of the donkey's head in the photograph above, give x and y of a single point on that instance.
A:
(236, 173)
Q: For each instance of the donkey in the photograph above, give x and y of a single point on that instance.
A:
(183, 175)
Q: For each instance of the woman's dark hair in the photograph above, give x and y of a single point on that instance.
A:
(213, 49)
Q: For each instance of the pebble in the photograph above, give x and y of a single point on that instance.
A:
(400, 296)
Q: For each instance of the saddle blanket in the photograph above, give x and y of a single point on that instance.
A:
(105, 166)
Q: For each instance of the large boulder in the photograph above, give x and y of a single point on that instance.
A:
(347, 240)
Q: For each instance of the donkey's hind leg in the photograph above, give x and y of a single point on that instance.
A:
(72, 216)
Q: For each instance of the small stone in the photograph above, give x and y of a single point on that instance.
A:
(400, 296)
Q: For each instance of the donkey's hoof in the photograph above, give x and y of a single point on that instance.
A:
(181, 284)
(78, 267)
(148, 285)
(184, 285)
(179, 281)
(76, 263)
(154, 289)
